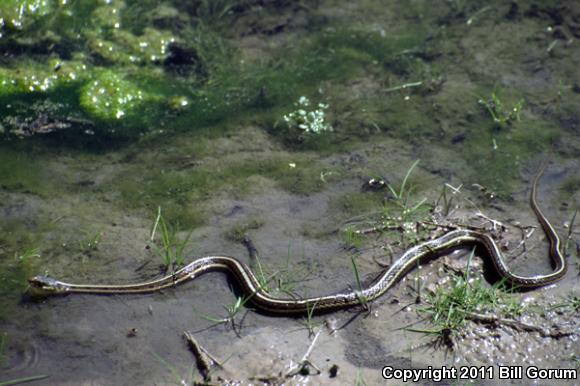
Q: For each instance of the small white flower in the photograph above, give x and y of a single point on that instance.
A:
(308, 121)
(303, 101)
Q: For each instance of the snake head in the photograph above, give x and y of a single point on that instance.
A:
(44, 285)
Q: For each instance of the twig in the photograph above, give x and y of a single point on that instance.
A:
(522, 243)
(378, 228)
(473, 17)
(494, 223)
(204, 359)
(305, 361)
(404, 86)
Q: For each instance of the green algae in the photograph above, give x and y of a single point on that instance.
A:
(126, 76)
(109, 96)
(19, 260)
(357, 203)
(18, 14)
(21, 172)
(34, 77)
(497, 156)
(68, 67)
(177, 191)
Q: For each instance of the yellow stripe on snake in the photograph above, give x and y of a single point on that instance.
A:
(262, 300)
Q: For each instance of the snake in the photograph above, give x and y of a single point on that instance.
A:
(261, 299)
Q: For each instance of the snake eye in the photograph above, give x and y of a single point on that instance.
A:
(34, 282)
(42, 284)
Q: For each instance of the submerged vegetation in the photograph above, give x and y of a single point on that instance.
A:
(403, 196)
(307, 120)
(448, 308)
(451, 306)
(112, 109)
(172, 248)
(144, 71)
(501, 114)
(116, 74)
(19, 255)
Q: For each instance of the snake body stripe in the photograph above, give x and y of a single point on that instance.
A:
(262, 300)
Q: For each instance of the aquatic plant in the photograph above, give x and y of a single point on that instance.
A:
(18, 381)
(172, 249)
(306, 119)
(308, 321)
(402, 193)
(404, 198)
(26, 255)
(359, 379)
(447, 200)
(25, 265)
(287, 278)
(232, 311)
(109, 97)
(18, 14)
(129, 72)
(216, 9)
(359, 291)
(351, 238)
(22, 171)
(465, 299)
(179, 380)
(499, 113)
(91, 241)
(572, 303)
(448, 307)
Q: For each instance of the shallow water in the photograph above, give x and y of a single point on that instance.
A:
(81, 184)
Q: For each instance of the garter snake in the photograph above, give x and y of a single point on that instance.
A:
(261, 299)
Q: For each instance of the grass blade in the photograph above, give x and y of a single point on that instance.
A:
(19, 381)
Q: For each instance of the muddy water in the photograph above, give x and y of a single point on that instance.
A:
(137, 339)
(84, 339)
